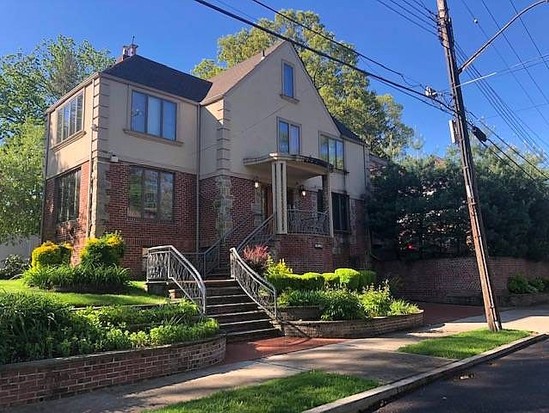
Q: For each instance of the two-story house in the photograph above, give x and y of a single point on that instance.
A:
(168, 158)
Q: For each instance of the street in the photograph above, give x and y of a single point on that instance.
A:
(518, 382)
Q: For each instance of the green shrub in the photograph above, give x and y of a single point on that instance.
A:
(546, 284)
(105, 251)
(49, 277)
(348, 278)
(174, 333)
(376, 301)
(51, 254)
(367, 278)
(12, 266)
(538, 284)
(341, 305)
(306, 282)
(257, 257)
(518, 284)
(297, 298)
(276, 269)
(331, 279)
(402, 307)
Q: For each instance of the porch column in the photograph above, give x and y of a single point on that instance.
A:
(327, 191)
(279, 197)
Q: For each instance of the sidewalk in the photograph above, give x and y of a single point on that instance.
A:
(371, 357)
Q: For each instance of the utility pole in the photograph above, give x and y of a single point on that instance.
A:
(462, 136)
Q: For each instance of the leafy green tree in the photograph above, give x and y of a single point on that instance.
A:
(21, 183)
(29, 83)
(376, 119)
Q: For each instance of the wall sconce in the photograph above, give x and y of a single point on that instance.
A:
(114, 158)
(256, 182)
(302, 190)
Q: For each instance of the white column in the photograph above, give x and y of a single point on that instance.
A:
(279, 197)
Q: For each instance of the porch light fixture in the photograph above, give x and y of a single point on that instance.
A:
(256, 183)
(302, 190)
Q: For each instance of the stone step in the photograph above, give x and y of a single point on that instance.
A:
(252, 335)
(240, 316)
(220, 283)
(228, 299)
(215, 291)
(216, 309)
(248, 325)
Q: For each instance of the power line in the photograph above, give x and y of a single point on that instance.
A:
(421, 26)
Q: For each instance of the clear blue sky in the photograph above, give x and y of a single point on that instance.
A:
(180, 33)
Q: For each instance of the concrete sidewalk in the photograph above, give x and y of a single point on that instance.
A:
(372, 357)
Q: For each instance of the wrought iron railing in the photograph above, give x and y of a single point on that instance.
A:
(257, 288)
(261, 235)
(308, 222)
(166, 263)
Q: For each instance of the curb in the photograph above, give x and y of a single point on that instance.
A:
(372, 398)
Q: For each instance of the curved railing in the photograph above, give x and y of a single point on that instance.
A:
(257, 288)
(308, 222)
(167, 263)
(261, 235)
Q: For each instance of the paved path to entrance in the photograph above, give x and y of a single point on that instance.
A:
(371, 357)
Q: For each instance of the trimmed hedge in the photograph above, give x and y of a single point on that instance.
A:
(106, 251)
(51, 254)
(305, 282)
(349, 278)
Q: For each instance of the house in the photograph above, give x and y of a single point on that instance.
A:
(168, 158)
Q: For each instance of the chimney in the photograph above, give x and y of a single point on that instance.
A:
(129, 51)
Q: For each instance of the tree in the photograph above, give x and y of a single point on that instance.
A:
(21, 183)
(376, 119)
(30, 83)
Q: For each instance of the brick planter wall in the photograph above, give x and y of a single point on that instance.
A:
(351, 328)
(34, 381)
(455, 280)
(525, 300)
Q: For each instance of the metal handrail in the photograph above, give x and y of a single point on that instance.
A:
(167, 263)
(259, 236)
(308, 222)
(256, 287)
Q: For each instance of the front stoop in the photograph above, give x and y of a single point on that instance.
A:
(237, 314)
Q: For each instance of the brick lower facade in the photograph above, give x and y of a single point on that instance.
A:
(23, 383)
(455, 280)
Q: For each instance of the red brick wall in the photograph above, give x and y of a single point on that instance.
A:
(300, 253)
(208, 213)
(74, 231)
(456, 279)
(141, 233)
(23, 383)
(351, 248)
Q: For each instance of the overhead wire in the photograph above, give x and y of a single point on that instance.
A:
(411, 20)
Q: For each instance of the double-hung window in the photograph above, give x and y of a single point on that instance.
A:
(151, 194)
(289, 138)
(340, 212)
(153, 116)
(68, 196)
(69, 118)
(288, 80)
(331, 150)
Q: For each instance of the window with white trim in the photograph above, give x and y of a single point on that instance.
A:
(288, 87)
(289, 138)
(153, 116)
(69, 118)
(151, 194)
(67, 188)
(331, 150)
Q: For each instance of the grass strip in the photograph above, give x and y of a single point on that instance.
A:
(134, 295)
(286, 395)
(463, 345)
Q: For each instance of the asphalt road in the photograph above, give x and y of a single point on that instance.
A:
(518, 382)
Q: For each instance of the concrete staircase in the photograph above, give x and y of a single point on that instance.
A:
(237, 314)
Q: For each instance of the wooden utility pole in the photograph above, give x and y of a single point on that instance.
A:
(462, 137)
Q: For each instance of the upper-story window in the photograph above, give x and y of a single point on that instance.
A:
(69, 118)
(151, 194)
(67, 196)
(288, 80)
(289, 137)
(153, 115)
(331, 150)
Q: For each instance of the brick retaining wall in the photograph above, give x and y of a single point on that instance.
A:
(30, 382)
(455, 280)
(351, 328)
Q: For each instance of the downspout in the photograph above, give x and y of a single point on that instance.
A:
(45, 172)
(198, 154)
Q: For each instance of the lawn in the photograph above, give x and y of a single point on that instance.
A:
(135, 295)
(463, 345)
(290, 394)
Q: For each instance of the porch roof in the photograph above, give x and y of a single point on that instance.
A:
(303, 167)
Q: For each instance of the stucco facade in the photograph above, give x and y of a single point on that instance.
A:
(199, 159)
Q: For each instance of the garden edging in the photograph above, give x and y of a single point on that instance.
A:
(351, 328)
(29, 382)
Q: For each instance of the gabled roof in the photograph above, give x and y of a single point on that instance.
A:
(149, 73)
(345, 131)
(225, 81)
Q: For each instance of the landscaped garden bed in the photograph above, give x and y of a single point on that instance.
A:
(524, 292)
